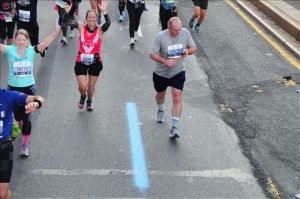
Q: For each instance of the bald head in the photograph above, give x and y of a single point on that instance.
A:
(174, 21)
(174, 26)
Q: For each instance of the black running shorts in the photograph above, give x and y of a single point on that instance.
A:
(161, 83)
(201, 3)
(6, 162)
(93, 69)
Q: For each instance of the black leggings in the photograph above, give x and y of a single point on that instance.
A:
(32, 28)
(121, 6)
(6, 162)
(64, 19)
(135, 14)
(75, 5)
(165, 15)
(19, 111)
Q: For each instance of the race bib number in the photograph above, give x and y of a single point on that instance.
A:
(22, 69)
(87, 59)
(8, 18)
(23, 2)
(24, 15)
(2, 115)
(61, 3)
(170, 1)
(175, 51)
(1, 129)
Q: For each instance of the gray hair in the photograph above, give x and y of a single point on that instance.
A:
(174, 20)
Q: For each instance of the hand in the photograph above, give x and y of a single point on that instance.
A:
(170, 63)
(68, 8)
(30, 107)
(185, 52)
(102, 6)
(13, 13)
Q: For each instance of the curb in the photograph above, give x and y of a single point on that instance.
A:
(280, 18)
(278, 37)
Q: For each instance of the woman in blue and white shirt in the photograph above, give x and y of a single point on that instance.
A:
(20, 74)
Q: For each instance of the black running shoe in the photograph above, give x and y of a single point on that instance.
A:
(132, 44)
(81, 102)
(89, 105)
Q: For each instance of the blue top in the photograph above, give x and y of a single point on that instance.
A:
(8, 100)
(167, 4)
(20, 69)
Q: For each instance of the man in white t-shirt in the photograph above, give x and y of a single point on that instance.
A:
(169, 49)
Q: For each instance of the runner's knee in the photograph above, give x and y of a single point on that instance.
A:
(161, 95)
(176, 97)
(4, 192)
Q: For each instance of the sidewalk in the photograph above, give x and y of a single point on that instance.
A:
(283, 20)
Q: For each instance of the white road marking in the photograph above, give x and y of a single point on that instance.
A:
(236, 174)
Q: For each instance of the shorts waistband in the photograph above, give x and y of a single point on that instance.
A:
(5, 143)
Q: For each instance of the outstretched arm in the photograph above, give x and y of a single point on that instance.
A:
(107, 23)
(48, 40)
(33, 102)
(2, 48)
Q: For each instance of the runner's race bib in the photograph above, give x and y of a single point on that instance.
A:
(22, 69)
(1, 129)
(175, 51)
(2, 115)
(8, 18)
(24, 15)
(23, 2)
(87, 59)
(170, 1)
(61, 3)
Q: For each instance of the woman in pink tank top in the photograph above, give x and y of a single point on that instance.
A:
(88, 61)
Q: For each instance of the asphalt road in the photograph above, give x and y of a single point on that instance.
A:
(246, 74)
(77, 154)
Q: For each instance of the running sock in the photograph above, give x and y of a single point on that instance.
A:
(25, 139)
(161, 107)
(175, 121)
(131, 40)
(136, 36)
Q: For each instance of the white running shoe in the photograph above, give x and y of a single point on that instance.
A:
(131, 43)
(174, 133)
(24, 150)
(72, 34)
(64, 41)
(160, 117)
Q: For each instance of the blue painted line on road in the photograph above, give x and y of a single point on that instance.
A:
(137, 148)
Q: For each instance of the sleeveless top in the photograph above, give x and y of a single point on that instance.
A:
(89, 47)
